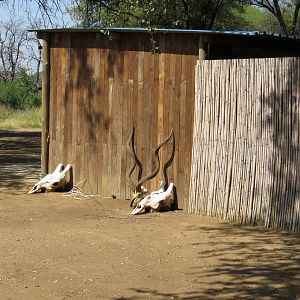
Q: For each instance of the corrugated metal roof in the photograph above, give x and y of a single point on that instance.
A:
(172, 30)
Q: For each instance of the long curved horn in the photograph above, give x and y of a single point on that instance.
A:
(154, 172)
(69, 185)
(168, 163)
(136, 161)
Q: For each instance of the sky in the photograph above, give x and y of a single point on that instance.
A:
(28, 16)
(29, 12)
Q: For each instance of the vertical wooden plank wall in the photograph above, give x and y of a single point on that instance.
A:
(100, 88)
(45, 105)
(245, 163)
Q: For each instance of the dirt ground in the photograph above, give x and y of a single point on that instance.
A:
(56, 247)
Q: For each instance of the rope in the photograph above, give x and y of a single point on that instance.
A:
(79, 194)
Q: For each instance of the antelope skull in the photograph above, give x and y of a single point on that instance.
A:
(156, 200)
(55, 181)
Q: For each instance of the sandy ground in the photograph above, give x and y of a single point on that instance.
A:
(56, 247)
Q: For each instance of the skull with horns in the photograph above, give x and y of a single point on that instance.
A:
(163, 198)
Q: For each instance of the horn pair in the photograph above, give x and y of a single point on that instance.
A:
(136, 187)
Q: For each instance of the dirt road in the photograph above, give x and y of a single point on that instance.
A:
(56, 247)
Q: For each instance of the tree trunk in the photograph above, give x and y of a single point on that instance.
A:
(279, 17)
(295, 18)
(186, 10)
(214, 14)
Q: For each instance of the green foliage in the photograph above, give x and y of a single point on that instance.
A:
(19, 93)
(284, 15)
(262, 20)
(258, 20)
(276, 16)
(194, 14)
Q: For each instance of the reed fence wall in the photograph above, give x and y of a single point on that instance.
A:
(246, 142)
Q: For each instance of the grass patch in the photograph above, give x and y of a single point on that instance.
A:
(13, 119)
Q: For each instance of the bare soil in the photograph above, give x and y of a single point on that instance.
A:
(56, 247)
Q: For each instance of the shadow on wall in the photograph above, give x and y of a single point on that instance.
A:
(236, 262)
(19, 159)
(283, 122)
(255, 126)
(83, 123)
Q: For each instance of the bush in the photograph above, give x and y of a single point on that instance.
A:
(19, 94)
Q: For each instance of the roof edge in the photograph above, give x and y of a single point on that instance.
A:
(168, 30)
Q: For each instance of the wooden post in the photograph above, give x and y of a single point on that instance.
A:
(45, 104)
(202, 48)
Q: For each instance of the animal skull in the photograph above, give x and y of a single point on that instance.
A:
(54, 181)
(139, 193)
(137, 196)
(157, 200)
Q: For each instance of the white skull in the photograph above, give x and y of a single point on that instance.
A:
(52, 181)
(156, 200)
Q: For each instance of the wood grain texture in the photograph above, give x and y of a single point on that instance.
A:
(100, 88)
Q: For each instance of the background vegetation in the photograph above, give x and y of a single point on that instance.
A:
(16, 118)
(20, 52)
(20, 102)
(20, 78)
(21, 92)
(263, 15)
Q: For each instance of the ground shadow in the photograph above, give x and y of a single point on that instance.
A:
(239, 263)
(252, 263)
(19, 158)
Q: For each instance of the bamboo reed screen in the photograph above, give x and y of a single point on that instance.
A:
(246, 143)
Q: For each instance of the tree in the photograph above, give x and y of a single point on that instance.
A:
(192, 14)
(50, 12)
(255, 19)
(34, 50)
(18, 49)
(20, 61)
(285, 11)
(13, 39)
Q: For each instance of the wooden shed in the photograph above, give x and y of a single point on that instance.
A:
(98, 83)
